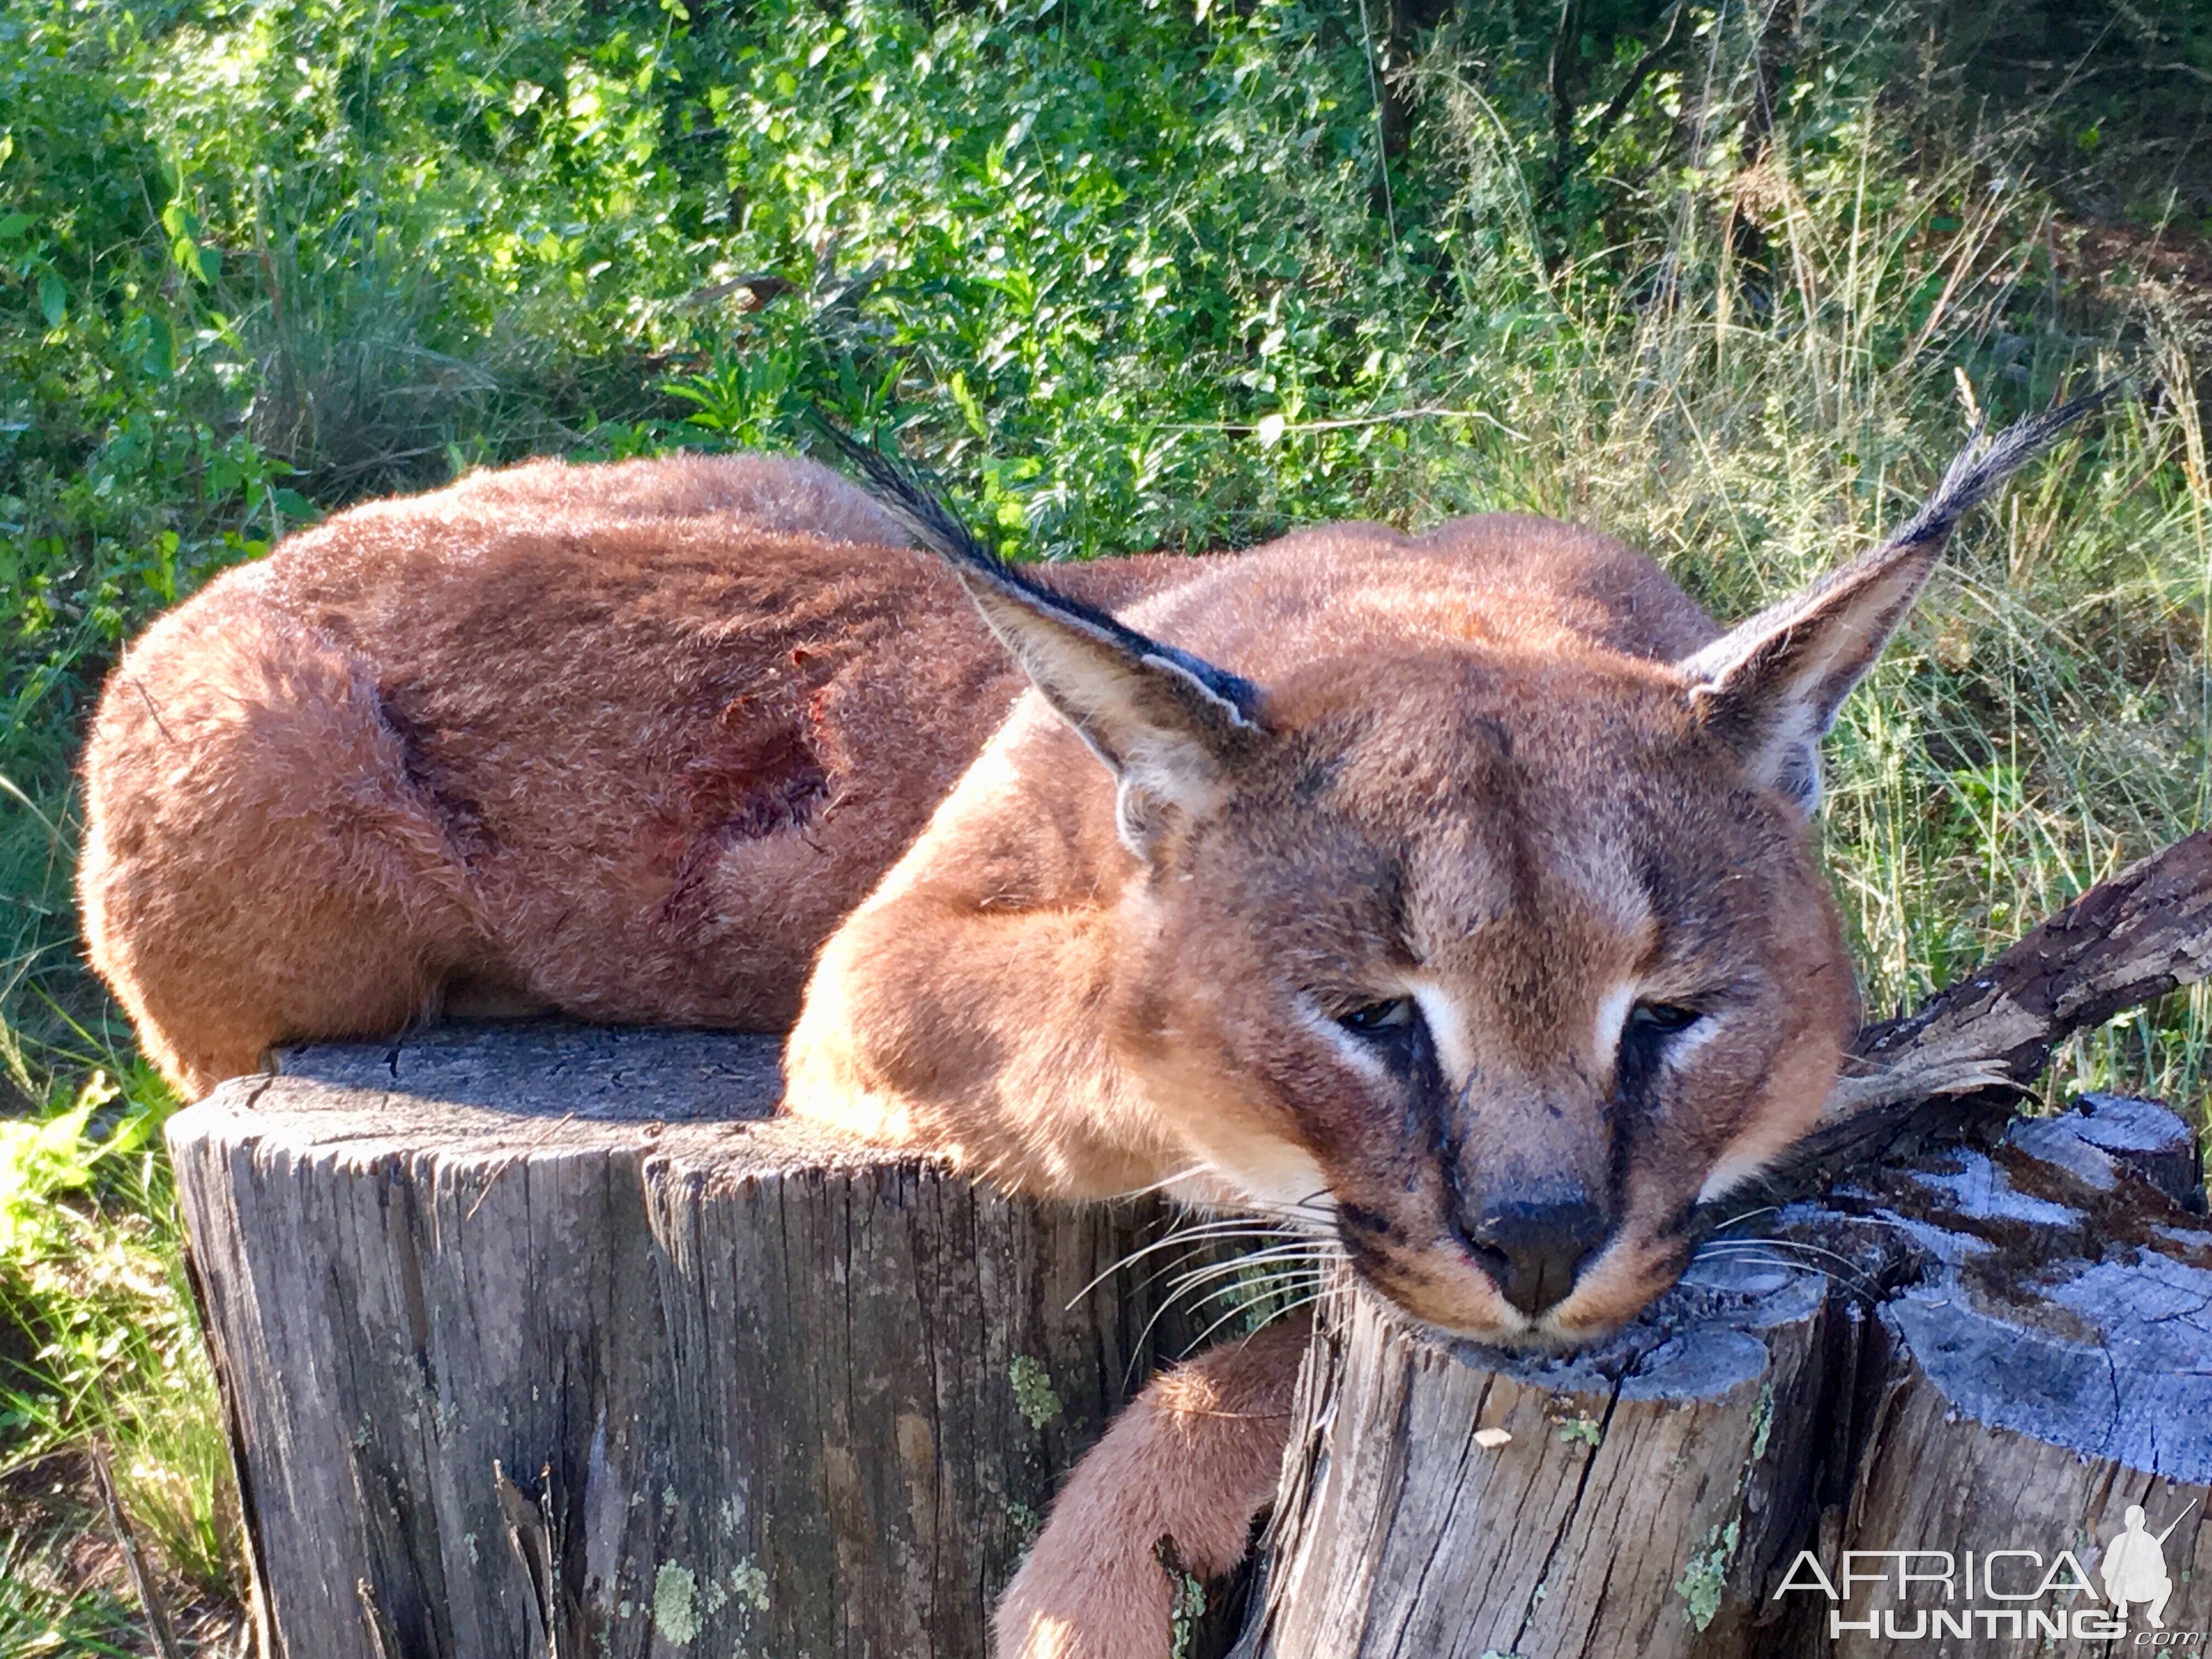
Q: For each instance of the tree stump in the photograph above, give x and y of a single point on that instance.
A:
(545, 1342)
(1990, 1353)
(542, 1343)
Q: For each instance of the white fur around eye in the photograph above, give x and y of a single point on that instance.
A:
(1612, 1011)
(1620, 1007)
(1360, 1056)
(1447, 1029)
(1684, 1044)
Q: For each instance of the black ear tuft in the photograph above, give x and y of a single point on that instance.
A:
(1169, 724)
(911, 497)
(1977, 470)
(1771, 685)
(918, 502)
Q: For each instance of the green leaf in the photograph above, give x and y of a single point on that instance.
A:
(53, 298)
(970, 406)
(159, 359)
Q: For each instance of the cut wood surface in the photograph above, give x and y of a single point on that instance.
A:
(1626, 1469)
(1989, 1351)
(539, 1342)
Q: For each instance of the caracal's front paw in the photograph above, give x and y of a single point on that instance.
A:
(1117, 1602)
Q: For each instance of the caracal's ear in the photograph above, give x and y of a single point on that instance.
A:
(1169, 725)
(1771, 686)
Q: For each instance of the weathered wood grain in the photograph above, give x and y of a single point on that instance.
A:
(1986, 1351)
(1956, 1062)
(2051, 1364)
(1631, 1471)
(542, 1341)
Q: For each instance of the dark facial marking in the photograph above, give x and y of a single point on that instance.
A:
(1363, 1228)
(1651, 1027)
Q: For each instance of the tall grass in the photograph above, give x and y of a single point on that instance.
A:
(2042, 722)
(1130, 276)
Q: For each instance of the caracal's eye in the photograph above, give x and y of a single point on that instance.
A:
(1658, 1019)
(1379, 1018)
(1651, 1028)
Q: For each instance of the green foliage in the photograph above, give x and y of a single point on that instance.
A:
(41, 1617)
(91, 1281)
(43, 1161)
(1129, 274)
(1581, 1430)
(2115, 94)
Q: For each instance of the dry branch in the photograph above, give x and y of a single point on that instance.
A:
(1969, 1050)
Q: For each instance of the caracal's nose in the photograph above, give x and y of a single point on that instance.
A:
(1535, 1242)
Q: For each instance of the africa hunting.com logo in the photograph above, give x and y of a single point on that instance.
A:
(2007, 1593)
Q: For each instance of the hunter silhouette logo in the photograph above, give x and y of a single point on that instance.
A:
(2135, 1566)
(1930, 1594)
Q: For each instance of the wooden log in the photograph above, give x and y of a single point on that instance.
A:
(1986, 1352)
(1951, 1065)
(540, 1342)
(2050, 1365)
(1461, 1502)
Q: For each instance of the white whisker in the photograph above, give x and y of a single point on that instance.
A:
(1767, 1252)
(1746, 1215)
(1290, 1254)
(1239, 1266)
(1188, 1173)
(1234, 1313)
(1201, 1233)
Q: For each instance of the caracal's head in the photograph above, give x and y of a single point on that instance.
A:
(1506, 964)
(1499, 962)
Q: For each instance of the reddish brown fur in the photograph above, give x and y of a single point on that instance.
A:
(619, 741)
(1188, 1465)
(1481, 721)
(634, 743)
